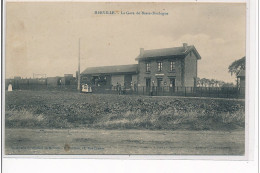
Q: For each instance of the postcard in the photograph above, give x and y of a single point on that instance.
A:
(125, 78)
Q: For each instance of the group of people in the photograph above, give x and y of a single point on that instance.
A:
(119, 88)
(122, 89)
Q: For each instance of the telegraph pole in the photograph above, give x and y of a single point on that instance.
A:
(79, 68)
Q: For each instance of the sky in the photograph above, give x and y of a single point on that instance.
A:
(43, 37)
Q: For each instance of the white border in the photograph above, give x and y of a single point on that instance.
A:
(196, 1)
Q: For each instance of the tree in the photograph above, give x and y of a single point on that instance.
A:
(216, 84)
(237, 66)
(207, 82)
(221, 83)
(198, 83)
(230, 84)
(212, 82)
(203, 82)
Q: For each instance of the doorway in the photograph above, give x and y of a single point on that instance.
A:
(128, 80)
(172, 84)
(148, 82)
(159, 82)
(148, 85)
(159, 88)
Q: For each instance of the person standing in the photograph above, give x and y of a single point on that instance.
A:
(10, 87)
(119, 89)
(117, 86)
(135, 87)
(153, 88)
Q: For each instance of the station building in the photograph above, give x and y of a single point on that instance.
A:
(171, 67)
(108, 76)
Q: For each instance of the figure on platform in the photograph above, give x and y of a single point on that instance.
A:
(10, 87)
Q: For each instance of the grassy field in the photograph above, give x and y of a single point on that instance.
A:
(46, 109)
(59, 122)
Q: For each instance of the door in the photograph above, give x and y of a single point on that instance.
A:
(148, 82)
(159, 82)
(128, 80)
(172, 82)
(159, 86)
(148, 85)
(108, 81)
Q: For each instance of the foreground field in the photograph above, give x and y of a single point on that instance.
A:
(61, 109)
(60, 122)
(96, 141)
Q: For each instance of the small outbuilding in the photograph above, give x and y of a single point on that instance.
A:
(241, 80)
(108, 76)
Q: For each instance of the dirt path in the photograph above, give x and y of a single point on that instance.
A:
(95, 141)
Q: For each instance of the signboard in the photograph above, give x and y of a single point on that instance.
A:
(159, 74)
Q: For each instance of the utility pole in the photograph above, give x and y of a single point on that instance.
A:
(79, 68)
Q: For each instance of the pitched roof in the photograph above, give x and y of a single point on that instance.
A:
(131, 68)
(241, 73)
(168, 52)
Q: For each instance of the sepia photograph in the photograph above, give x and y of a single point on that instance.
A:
(124, 78)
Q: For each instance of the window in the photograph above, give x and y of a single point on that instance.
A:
(159, 66)
(148, 67)
(172, 68)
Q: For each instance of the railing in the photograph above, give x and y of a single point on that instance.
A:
(37, 86)
(219, 92)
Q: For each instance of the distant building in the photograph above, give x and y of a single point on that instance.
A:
(159, 67)
(54, 81)
(69, 79)
(241, 79)
(50, 82)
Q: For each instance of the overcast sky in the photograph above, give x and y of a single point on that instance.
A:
(43, 37)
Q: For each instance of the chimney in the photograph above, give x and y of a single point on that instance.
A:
(185, 46)
(141, 52)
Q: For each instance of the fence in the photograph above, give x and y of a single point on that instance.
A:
(218, 92)
(37, 86)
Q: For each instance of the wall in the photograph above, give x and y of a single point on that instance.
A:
(112, 79)
(69, 79)
(108, 79)
(86, 79)
(190, 70)
(165, 74)
(117, 79)
(135, 78)
(53, 81)
(26, 83)
(242, 82)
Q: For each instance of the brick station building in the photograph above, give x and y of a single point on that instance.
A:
(169, 67)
